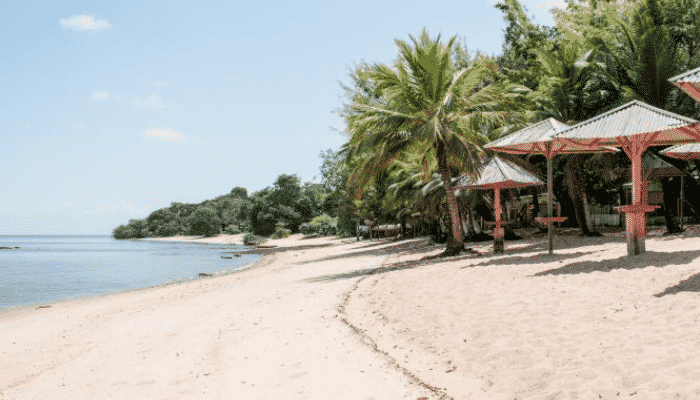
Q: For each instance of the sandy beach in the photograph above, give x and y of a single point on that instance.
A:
(338, 319)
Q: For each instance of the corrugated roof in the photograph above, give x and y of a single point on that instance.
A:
(692, 76)
(631, 119)
(691, 150)
(538, 139)
(499, 173)
(522, 140)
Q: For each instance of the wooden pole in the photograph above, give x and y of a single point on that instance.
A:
(550, 204)
(680, 209)
(636, 221)
(498, 231)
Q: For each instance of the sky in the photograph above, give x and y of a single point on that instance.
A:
(111, 110)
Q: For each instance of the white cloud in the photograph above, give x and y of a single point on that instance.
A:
(153, 101)
(100, 95)
(160, 82)
(165, 134)
(82, 22)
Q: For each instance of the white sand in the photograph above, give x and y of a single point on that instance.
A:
(586, 323)
(581, 324)
(264, 333)
(218, 239)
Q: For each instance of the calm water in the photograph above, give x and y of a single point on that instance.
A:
(48, 268)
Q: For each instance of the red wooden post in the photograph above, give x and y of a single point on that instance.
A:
(636, 221)
(498, 231)
(550, 202)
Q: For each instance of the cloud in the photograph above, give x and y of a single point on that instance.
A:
(153, 101)
(165, 134)
(100, 95)
(160, 82)
(83, 22)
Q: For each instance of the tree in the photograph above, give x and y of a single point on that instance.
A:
(204, 221)
(239, 192)
(425, 105)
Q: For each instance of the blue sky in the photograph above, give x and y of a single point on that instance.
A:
(110, 110)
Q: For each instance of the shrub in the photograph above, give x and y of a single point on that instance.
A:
(281, 233)
(232, 230)
(204, 221)
(251, 239)
(123, 232)
(323, 225)
(305, 229)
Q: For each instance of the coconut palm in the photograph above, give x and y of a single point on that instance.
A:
(423, 105)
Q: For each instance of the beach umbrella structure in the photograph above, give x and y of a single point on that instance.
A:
(685, 152)
(539, 139)
(634, 127)
(499, 174)
(654, 168)
(688, 82)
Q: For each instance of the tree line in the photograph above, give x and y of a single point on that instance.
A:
(416, 125)
(288, 206)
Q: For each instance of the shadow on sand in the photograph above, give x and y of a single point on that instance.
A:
(647, 259)
(407, 248)
(691, 284)
(403, 246)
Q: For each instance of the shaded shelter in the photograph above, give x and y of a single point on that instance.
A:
(689, 82)
(499, 174)
(634, 127)
(539, 139)
(685, 152)
(653, 168)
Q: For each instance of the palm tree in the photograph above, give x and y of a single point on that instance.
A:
(424, 105)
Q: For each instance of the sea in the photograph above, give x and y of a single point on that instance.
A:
(41, 269)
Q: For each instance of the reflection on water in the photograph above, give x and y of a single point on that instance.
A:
(47, 268)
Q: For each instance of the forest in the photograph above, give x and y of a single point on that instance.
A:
(418, 123)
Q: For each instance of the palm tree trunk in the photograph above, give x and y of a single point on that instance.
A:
(577, 191)
(669, 208)
(535, 204)
(456, 243)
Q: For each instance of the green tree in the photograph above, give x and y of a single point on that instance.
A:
(426, 105)
(239, 192)
(204, 221)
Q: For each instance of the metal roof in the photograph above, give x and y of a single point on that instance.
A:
(522, 140)
(499, 173)
(538, 139)
(631, 119)
(692, 76)
(689, 82)
(684, 151)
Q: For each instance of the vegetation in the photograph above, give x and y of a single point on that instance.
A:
(251, 239)
(415, 126)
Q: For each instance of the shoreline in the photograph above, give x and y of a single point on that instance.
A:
(334, 319)
(172, 239)
(236, 239)
(266, 331)
(262, 261)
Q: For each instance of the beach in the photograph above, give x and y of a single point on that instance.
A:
(329, 318)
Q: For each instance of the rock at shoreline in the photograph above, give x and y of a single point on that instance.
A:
(202, 274)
